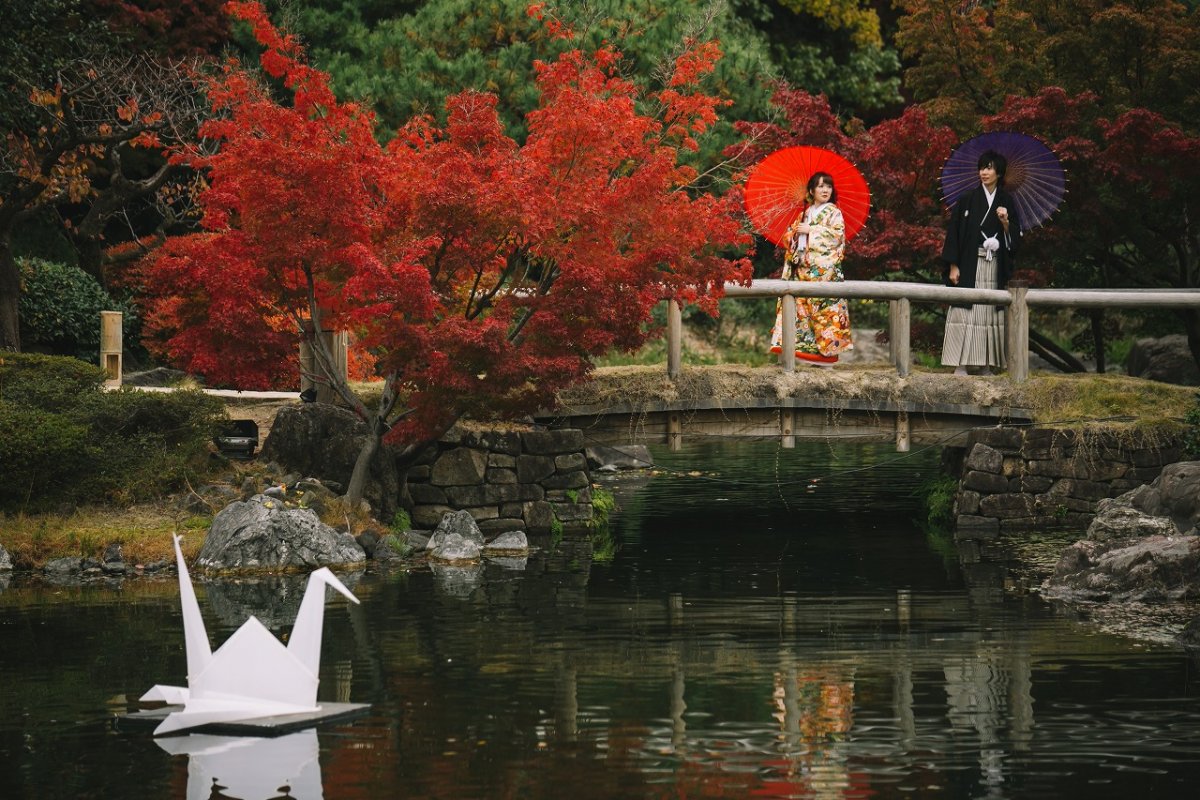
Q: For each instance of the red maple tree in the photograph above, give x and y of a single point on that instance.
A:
(483, 274)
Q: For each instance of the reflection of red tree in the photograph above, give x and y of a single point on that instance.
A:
(814, 709)
(857, 786)
(825, 703)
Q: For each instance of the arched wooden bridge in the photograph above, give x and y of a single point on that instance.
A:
(885, 402)
(624, 405)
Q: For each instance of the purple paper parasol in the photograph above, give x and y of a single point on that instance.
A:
(1035, 178)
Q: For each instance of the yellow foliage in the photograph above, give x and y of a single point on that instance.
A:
(855, 16)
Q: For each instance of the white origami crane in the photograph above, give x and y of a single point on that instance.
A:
(253, 674)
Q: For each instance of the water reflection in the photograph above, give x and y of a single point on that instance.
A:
(735, 645)
(273, 599)
(249, 768)
(455, 580)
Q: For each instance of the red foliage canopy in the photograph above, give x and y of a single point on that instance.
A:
(482, 273)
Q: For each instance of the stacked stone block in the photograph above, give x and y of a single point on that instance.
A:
(1016, 479)
(506, 480)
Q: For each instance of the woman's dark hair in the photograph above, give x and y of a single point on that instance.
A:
(997, 162)
(815, 181)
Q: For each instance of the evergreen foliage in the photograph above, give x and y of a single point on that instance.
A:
(408, 60)
(60, 309)
(65, 440)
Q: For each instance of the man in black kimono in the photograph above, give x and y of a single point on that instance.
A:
(979, 253)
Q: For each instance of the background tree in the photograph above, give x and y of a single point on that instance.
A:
(1082, 77)
(482, 273)
(407, 59)
(967, 58)
(79, 106)
(176, 28)
(84, 161)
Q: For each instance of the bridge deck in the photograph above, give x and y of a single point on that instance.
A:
(640, 404)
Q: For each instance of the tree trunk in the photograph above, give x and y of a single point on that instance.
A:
(10, 297)
(362, 467)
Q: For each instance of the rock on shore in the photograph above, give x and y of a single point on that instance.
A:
(1142, 547)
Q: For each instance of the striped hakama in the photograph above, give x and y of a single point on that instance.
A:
(975, 335)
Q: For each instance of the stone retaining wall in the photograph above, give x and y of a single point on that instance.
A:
(1015, 479)
(506, 480)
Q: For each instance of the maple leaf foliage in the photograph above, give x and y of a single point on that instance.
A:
(481, 273)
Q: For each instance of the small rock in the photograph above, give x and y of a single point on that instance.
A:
(416, 540)
(1189, 637)
(610, 459)
(453, 547)
(63, 566)
(367, 541)
(458, 523)
(511, 542)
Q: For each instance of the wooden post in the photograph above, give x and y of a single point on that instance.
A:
(903, 432)
(338, 343)
(901, 328)
(1017, 330)
(674, 339)
(893, 311)
(111, 348)
(787, 336)
(787, 427)
(674, 431)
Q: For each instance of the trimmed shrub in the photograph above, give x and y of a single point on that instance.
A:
(47, 383)
(142, 443)
(38, 455)
(60, 308)
(64, 439)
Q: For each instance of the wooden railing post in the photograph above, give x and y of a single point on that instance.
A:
(1017, 328)
(892, 312)
(674, 339)
(901, 320)
(787, 338)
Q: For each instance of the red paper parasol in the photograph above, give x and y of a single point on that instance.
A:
(775, 190)
(1034, 178)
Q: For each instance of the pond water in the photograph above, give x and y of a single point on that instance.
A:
(761, 623)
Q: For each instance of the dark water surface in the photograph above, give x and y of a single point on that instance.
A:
(773, 624)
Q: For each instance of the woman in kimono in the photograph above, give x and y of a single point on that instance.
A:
(816, 242)
(979, 253)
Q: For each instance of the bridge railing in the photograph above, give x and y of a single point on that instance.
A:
(1016, 300)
